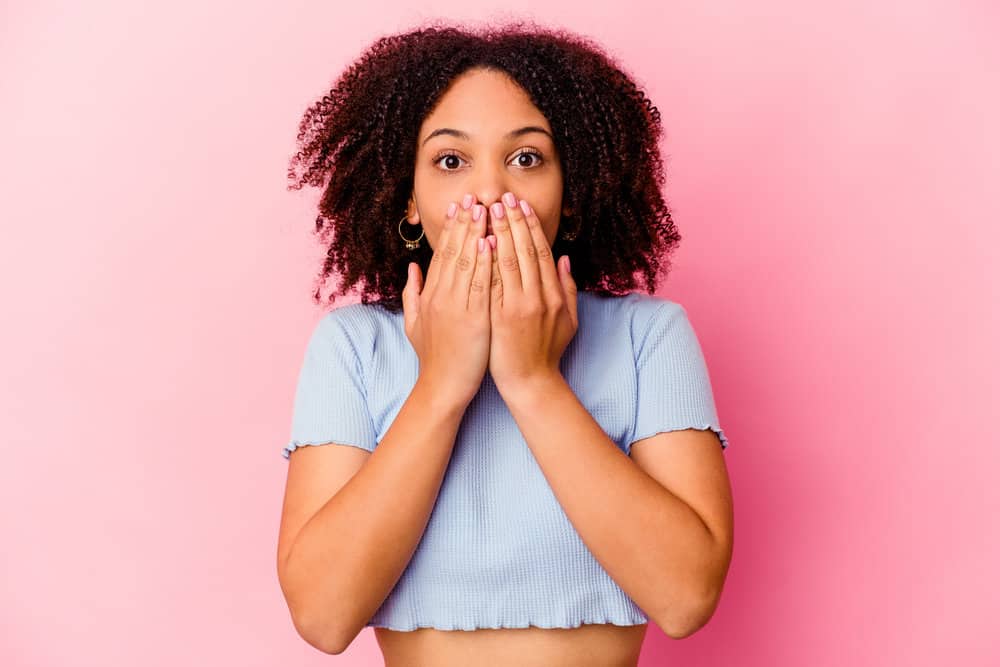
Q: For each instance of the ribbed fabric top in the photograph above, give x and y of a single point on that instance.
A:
(498, 550)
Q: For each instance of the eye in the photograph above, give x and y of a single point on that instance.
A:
(454, 160)
(532, 152)
(453, 157)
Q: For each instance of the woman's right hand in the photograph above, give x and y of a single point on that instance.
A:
(447, 317)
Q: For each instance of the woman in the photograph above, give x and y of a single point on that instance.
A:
(532, 468)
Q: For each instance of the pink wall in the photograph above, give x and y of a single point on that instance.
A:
(834, 171)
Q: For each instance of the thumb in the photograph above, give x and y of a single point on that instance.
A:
(569, 286)
(411, 293)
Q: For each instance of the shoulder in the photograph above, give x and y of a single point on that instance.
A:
(660, 326)
(638, 303)
(358, 321)
(656, 316)
(650, 308)
(635, 325)
(358, 326)
(638, 311)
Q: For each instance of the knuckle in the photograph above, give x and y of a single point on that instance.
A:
(477, 285)
(544, 252)
(449, 251)
(464, 263)
(509, 263)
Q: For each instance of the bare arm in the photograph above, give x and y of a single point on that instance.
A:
(346, 559)
(670, 552)
(347, 556)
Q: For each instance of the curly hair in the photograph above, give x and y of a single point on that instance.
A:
(362, 136)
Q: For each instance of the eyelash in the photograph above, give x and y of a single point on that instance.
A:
(529, 151)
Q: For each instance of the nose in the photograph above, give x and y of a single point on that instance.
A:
(489, 184)
(486, 196)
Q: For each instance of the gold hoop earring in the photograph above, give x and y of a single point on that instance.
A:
(411, 244)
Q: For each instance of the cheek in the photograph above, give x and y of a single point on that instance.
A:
(551, 233)
(432, 232)
(550, 221)
(547, 212)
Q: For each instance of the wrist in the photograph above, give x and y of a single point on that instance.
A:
(533, 390)
(439, 399)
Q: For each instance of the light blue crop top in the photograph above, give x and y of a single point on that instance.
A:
(498, 550)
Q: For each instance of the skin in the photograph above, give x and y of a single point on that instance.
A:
(533, 317)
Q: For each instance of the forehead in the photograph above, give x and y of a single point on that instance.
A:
(486, 104)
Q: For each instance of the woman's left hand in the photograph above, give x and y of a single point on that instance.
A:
(533, 312)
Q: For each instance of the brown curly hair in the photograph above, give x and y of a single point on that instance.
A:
(363, 135)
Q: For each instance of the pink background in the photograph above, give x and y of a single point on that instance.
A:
(834, 171)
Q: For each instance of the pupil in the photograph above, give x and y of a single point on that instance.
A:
(451, 160)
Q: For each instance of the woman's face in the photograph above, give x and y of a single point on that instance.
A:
(479, 147)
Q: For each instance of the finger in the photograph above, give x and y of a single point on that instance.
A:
(510, 271)
(452, 253)
(496, 280)
(547, 269)
(479, 288)
(411, 295)
(528, 254)
(465, 264)
(434, 268)
(570, 290)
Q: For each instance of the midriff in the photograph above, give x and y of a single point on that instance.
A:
(590, 645)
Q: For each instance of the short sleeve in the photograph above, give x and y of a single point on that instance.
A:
(330, 404)
(674, 391)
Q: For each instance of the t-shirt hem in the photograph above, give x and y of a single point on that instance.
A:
(402, 626)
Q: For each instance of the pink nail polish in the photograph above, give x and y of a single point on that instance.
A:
(525, 207)
(452, 209)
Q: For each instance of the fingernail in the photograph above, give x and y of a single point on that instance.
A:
(509, 199)
(477, 211)
(497, 209)
(482, 245)
(525, 207)
(492, 241)
(466, 201)
(452, 209)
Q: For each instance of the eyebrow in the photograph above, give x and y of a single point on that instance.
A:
(513, 134)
